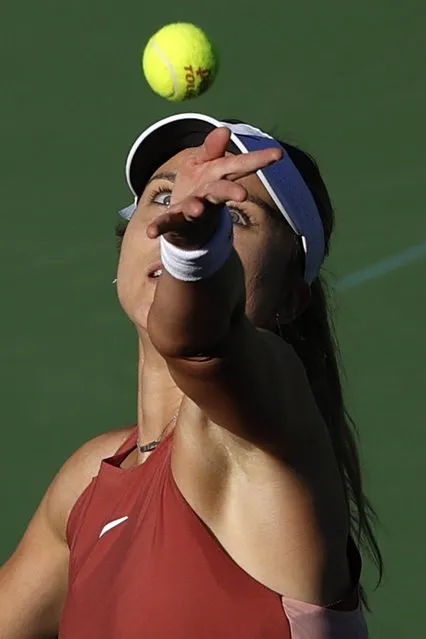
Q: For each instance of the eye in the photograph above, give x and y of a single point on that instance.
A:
(161, 196)
(240, 217)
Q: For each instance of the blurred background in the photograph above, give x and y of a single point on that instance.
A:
(343, 80)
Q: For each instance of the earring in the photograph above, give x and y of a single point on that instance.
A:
(114, 281)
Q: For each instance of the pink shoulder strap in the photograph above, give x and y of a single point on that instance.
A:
(308, 621)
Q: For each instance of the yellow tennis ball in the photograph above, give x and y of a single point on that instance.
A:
(179, 62)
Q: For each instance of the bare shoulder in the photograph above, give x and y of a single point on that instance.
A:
(77, 473)
(34, 581)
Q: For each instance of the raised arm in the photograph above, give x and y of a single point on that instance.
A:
(233, 371)
(277, 470)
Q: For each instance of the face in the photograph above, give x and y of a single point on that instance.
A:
(261, 237)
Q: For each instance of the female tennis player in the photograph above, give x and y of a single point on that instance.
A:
(235, 508)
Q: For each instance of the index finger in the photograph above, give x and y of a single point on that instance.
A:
(234, 167)
(214, 146)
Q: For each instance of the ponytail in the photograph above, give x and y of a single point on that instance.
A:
(312, 335)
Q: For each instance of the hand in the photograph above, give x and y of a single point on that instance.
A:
(204, 182)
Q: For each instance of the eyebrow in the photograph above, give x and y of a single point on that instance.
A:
(170, 177)
(253, 199)
(267, 208)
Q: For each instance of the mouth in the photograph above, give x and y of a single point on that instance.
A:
(155, 270)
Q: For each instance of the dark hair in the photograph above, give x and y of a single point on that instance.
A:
(120, 229)
(312, 335)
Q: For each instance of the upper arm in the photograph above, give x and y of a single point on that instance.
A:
(259, 391)
(256, 383)
(33, 582)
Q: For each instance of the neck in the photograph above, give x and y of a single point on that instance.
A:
(159, 398)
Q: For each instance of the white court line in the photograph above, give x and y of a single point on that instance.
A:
(379, 269)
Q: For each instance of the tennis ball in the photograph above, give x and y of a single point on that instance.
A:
(179, 62)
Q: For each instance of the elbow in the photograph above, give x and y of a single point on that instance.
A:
(172, 340)
(202, 338)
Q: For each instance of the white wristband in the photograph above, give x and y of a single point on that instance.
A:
(191, 266)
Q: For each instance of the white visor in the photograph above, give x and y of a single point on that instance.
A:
(282, 180)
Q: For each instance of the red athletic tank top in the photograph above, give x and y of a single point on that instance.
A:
(143, 565)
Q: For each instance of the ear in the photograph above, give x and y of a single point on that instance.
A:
(295, 302)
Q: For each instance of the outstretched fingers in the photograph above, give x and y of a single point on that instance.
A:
(234, 167)
(214, 146)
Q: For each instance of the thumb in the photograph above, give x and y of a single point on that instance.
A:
(214, 146)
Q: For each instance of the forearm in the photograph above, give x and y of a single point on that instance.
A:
(190, 319)
(194, 312)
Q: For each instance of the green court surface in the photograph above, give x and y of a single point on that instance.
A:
(343, 80)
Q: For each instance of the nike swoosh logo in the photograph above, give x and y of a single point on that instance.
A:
(112, 524)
